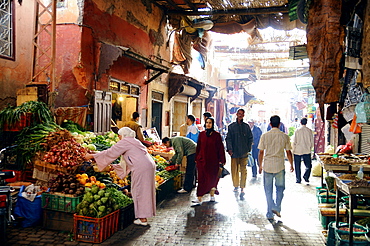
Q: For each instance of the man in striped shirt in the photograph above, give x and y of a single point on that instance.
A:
(272, 161)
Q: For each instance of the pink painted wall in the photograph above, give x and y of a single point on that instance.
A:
(72, 76)
(113, 28)
(14, 74)
(125, 23)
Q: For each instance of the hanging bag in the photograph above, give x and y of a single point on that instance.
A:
(363, 109)
(250, 162)
(222, 171)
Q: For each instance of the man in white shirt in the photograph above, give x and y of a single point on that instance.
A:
(302, 146)
(272, 161)
(192, 131)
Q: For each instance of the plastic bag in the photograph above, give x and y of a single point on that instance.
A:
(316, 170)
(31, 211)
(250, 161)
(363, 110)
(223, 171)
(355, 128)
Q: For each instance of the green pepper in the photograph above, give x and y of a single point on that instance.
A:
(101, 208)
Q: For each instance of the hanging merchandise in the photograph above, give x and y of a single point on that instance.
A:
(335, 121)
(348, 113)
(354, 89)
(363, 109)
(355, 127)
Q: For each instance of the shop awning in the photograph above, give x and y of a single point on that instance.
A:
(110, 53)
(179, 83)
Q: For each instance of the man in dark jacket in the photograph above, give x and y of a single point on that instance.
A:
(239, 141)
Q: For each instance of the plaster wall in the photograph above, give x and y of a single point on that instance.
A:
(14, 74)
(160, 87)
(128, 24)
(111, 22)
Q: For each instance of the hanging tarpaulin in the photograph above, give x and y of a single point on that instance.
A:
(366, 49)
(239, 97)
(325, 36)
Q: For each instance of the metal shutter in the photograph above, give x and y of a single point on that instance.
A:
(365, 139)
(102, 111)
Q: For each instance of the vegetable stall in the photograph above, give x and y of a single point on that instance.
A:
(74, 195)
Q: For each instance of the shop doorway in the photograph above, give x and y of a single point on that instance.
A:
(125, 101)
(180, 111)
(157, 106)
(157, 117)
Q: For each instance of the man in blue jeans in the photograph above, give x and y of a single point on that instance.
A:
(302, 146)
(272, 161)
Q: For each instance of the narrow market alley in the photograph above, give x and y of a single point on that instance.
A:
(229, 221)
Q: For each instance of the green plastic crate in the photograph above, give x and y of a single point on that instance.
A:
(60, 203)
(341, 239)
(126, 216)
(326, 199)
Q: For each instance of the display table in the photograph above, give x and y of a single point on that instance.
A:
(350, 165)
(351, 192)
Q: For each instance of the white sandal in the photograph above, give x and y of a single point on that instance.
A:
(139, 222)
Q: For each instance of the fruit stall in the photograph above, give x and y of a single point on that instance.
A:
(71, 194)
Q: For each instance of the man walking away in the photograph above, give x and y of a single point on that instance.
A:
(183, 147)
(239, 143)
(302, 146)
(272, 162)
(256, 132)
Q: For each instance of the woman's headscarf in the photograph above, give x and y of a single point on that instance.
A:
(126, 132)
(210, 130)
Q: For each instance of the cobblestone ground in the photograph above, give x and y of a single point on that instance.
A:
(229, 221)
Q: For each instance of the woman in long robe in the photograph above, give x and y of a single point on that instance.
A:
(142, 168)
(210, 154)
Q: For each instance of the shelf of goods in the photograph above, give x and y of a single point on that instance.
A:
(352, 189)
(343, 163)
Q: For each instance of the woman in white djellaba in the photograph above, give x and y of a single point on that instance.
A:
(138, 161)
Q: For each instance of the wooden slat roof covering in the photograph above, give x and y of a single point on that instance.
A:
(222, 11)
(193, 6)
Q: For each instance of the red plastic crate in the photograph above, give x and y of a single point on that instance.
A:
(17, 177)
(24, 121)
(95, 230)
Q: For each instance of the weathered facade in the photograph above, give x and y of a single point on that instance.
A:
(91, 40)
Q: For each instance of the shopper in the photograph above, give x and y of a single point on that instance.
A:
(272, 162)
(256, 132)
(183, 147)
(281, 127)
(142, 168)
(207, 115)
(192, 131)
(239, 141)
(209, 156)
(302, 146)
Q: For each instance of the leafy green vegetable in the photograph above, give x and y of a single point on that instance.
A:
(72, 126)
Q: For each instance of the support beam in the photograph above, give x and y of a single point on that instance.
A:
(251, 11)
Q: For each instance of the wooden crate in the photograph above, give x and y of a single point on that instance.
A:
(57, 220)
